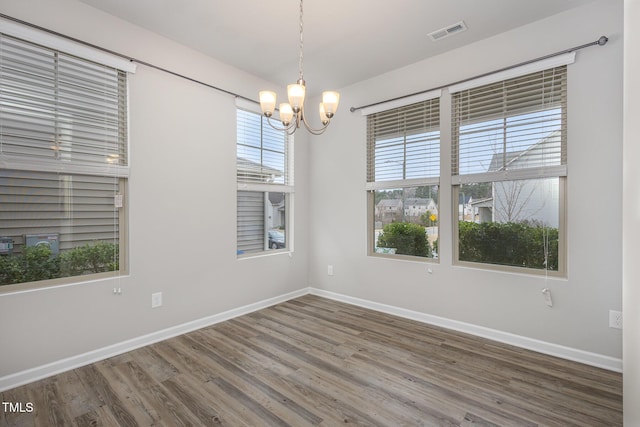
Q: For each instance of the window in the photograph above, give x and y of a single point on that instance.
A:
(265, 186)
(64, 165)
(509, 163)
(403, 170)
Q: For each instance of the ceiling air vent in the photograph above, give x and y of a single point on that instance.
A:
(448, 31)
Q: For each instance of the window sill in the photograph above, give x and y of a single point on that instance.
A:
(45, 285)
(516, 271)
(405, 258)
(265, 254)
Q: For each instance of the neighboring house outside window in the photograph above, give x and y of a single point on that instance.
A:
(403, 171)
(509, 171)
(264, 166)
(63, 166)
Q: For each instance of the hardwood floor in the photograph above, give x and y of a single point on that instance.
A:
(313, 361)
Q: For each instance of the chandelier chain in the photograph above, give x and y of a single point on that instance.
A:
(292, 114)
(301, 45)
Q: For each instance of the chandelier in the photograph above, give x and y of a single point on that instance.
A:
(292, 113)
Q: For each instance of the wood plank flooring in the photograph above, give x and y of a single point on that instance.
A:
(317, 362)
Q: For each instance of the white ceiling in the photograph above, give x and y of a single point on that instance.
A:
(345, 41)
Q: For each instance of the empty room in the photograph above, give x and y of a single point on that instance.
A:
(319, 213)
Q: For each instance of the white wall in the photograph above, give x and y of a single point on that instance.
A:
(182, 206)
(631, 217)
(504, 302)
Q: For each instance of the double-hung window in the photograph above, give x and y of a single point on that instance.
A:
(264, 165)
(403, 176)
(509, 166)
(63, 165)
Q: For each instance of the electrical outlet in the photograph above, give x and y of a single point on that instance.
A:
(330, 270)
(156, 300)
(547, 297)
(615, 319)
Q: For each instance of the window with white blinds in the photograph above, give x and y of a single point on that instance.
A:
(59, 112)
(63, 164)
(403, 175)
(509, 164)
(262, 152)
(511, 129)
(403, 146)
(264, 170)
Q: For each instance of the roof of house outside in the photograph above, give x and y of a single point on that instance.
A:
(418, 202)
(390, 203)
(510, 160)
(245, 167)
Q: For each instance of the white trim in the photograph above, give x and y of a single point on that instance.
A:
(64, 45)
(30, 375)
(34, 374)
(544, 64)
(402, 183)
(407, 100)
(269, 188)
(63, 167)
(511, 175)
(576, 355)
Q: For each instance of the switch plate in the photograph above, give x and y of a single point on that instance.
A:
(330, 270)
(156, 300)
(615, 319)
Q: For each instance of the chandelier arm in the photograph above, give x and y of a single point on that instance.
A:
(282, 129)
(309, 128)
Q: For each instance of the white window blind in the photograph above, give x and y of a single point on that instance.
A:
(63, 161)
(512, 129)
(403, 146)
(60, 113)
(262, 154)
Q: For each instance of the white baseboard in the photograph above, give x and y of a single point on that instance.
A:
(40, 372)
(576, 355)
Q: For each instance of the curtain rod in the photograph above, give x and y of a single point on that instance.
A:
(127, 57)
(600, 42)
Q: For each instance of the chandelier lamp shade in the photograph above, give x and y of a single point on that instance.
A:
(292, 113)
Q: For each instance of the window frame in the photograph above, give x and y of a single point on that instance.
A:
(21, 162)
(432, 101)
(249, 184)
(559, 171)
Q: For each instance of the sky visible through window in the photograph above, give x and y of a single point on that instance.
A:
(481, 143)
(407, 157)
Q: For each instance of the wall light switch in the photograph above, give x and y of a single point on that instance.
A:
(330, 270)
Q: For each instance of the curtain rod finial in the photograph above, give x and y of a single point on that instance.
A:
(603, 40)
